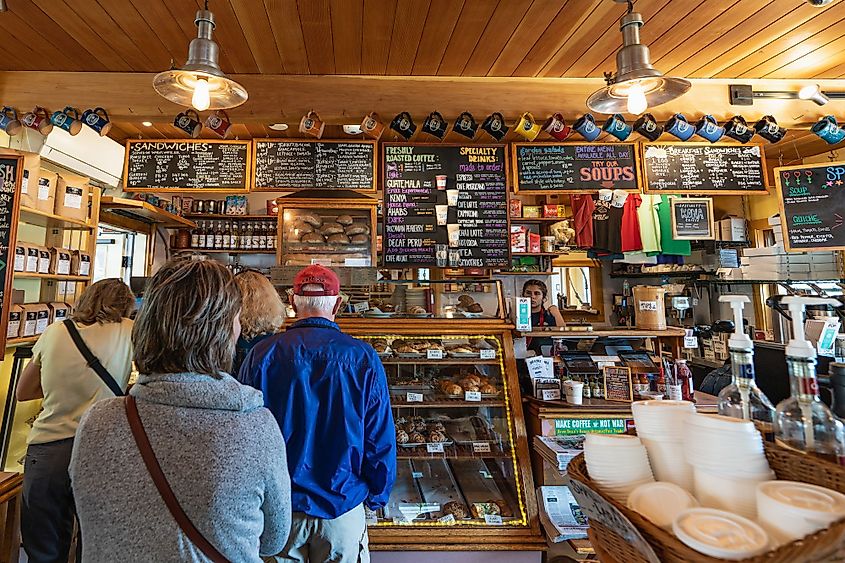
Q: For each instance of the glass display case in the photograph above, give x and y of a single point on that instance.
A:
(332, 232)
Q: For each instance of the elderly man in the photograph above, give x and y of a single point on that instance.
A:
(328, 392)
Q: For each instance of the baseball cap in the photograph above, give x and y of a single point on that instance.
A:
(316, 275)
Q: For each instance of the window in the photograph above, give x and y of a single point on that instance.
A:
(574, 284)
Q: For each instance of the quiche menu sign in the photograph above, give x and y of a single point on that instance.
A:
(812, 204)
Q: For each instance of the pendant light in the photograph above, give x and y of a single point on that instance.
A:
(200, 83)
(637, 85)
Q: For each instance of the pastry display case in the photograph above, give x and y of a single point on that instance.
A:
(332, 232)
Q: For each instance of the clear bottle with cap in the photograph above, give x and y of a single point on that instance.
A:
(742, 398)
(803, 422)
(839, 349)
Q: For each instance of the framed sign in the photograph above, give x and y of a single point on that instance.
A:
(617, 384)
(812, 206)
(692, 218)
(11, 173)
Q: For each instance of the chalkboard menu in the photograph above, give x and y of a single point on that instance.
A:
(812, 204)
(9, 167)
(290, 165)
(692, 218)
(186, 165)
(445, 206)
(572, 167)
(618, 385)
(704, 168)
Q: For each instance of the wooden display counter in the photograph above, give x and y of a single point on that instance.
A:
(11, 487)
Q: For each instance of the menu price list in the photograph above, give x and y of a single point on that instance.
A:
(446, 206)
(814, 206)
(314, 165)
(704, 168)
(187, 165)
(8, 197)
(589, 167)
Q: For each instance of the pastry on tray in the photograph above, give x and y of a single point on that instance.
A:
(456, 509)
(453, 390)
(402, 437)
(436, 436)
(482, 509)
(488, 389)
(416, 438)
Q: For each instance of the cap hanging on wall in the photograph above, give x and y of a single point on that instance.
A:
(637, 85)
(200, 83)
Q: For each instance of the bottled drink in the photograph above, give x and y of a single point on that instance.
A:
(195, 236)
(273, 235)
(218, 237)
(227, 236)
(256, 237)
(587, 394)
(839, 349)
(268, 237)
(246, 236)
(262, 235)
(683, 375)
(803, 422)
(235, 238)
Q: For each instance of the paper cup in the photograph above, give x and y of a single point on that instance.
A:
(574, 392)
(441, 181)
(454, 235)
(452, 197)
(442, 214)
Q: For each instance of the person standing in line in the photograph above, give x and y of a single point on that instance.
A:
(328, 392)
(262, 313)
(60, 376)
(189, 466)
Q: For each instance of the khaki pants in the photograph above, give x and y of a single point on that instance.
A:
(318, 540)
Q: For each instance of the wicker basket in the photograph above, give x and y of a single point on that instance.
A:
(824, 545)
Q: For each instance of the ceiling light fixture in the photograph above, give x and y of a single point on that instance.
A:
(814, 93)
(200, 83)
(147, 123)
(278, 126)
(744, 94)
(637, 85)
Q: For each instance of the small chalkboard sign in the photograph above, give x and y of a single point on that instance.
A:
(812, 206)
(692, 218)
(617, 384)
(542, 168)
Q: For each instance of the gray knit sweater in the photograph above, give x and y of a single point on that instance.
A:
(222, 453)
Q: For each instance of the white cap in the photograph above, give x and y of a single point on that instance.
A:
(738, 339)
(799, 346)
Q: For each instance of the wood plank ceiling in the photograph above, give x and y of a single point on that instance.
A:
(522, 38)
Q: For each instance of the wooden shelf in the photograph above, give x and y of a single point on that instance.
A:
(22, 340)
(446, 361)
(144, 212)
(607, 333)
(57, 277)
(536, 253)
(523, 273)
(676, 274)
(51, 220)
(201, 216)
(539, 219)
(222, 251)
(398, 400)
(455, 451)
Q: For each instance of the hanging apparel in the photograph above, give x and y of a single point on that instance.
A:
(669, 244)
(582, 218)
(601, 215)
(649, 222)
(631, 241)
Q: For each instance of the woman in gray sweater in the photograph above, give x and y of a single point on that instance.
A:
(219, 449)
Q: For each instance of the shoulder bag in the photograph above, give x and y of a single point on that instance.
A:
(92, 360)
(154, 469)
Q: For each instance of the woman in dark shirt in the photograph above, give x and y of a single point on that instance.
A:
(262, 314)
(542, 315)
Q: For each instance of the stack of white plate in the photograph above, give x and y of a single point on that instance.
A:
(790, 510)
(720, 534)
(727, 454)
(617, 463)
(660, 426)
(661, 502)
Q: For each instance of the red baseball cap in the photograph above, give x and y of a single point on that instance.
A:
(316, 275)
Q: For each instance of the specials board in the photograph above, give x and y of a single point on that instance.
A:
(10, 169)
(542, 168)
(618, 385)
(186, 165)
(445, 206)
(692, 218)
(291, 165)
(704, 168)
(812, 206)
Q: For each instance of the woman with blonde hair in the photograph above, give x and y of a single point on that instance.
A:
(262, 313)
(68, 383)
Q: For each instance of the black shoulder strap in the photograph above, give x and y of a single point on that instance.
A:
(92, 360)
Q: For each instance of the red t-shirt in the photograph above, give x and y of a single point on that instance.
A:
(631, 241)
(582, 217)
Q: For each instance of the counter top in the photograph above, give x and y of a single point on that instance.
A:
(556, 332)
(554, 409)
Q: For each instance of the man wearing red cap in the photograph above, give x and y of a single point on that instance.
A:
(328, 392)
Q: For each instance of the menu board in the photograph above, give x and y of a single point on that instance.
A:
(573, 167)
(812, 205)
(617, 384)
(704, 168)
(445, 206)
(692, 218)
(186, 165)
(290, 165)
(9, 167)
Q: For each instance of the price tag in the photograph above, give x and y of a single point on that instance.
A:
(416, 474)
(448, 519)
(321, 262)
(434, 354)
(436, 448)
(488, 354)
(648, 305)
(414, 397)
(481, 447)
(372, 520)
(492, 519)
(360, 307)
(550, 394)
(690, 342)
(474, 396)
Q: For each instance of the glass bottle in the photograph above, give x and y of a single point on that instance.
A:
(256, 236)
(683, 375)
(227, 236)
(235, 237)
(839, 349)
(218, 236)
(195, 236)
(262, 235)
(273, 235)
(246, 236)
(587, 390)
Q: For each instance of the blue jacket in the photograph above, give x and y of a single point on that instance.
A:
(328, 392)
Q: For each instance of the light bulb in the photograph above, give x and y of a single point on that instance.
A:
(201, 100)
(636, 99)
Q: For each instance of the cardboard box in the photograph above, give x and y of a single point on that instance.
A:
(80, 263)
(764, 251)
(72, 196)
(551, 210)
(29, 176)
(515, 207)
(13, 329)
(533, 242)
(732, 229)
(20, 257)
(45, 196)
(42, 318)
(774, 221)
(519, 240)
(531, 211)
(30, 319)
(43, 260)
(58, 312)
(60, 261)
(32, 257)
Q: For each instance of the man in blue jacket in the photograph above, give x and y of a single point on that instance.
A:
(328, 392)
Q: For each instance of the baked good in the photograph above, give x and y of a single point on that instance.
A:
(313, 238)
(470, 380)
(455, 508)
(358, 229)
(504, 509)
(420, 426)
(302, 227)
(338, 238)
(469, 387)
(453, 390)
(436, 426)
(345, 220)
(359, 239)
(331, 229)
(474, 308)
(436, 436)
(380, 347)
(417, 310)
(465, 300)
(311, 218)
(416, 438)
(488, 389)
(402, 437)
(462, 350)
(482, 509)
(387, 307)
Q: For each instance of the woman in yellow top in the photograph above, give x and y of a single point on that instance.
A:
(59, 375)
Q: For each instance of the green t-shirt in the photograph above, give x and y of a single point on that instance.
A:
(667, 243)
